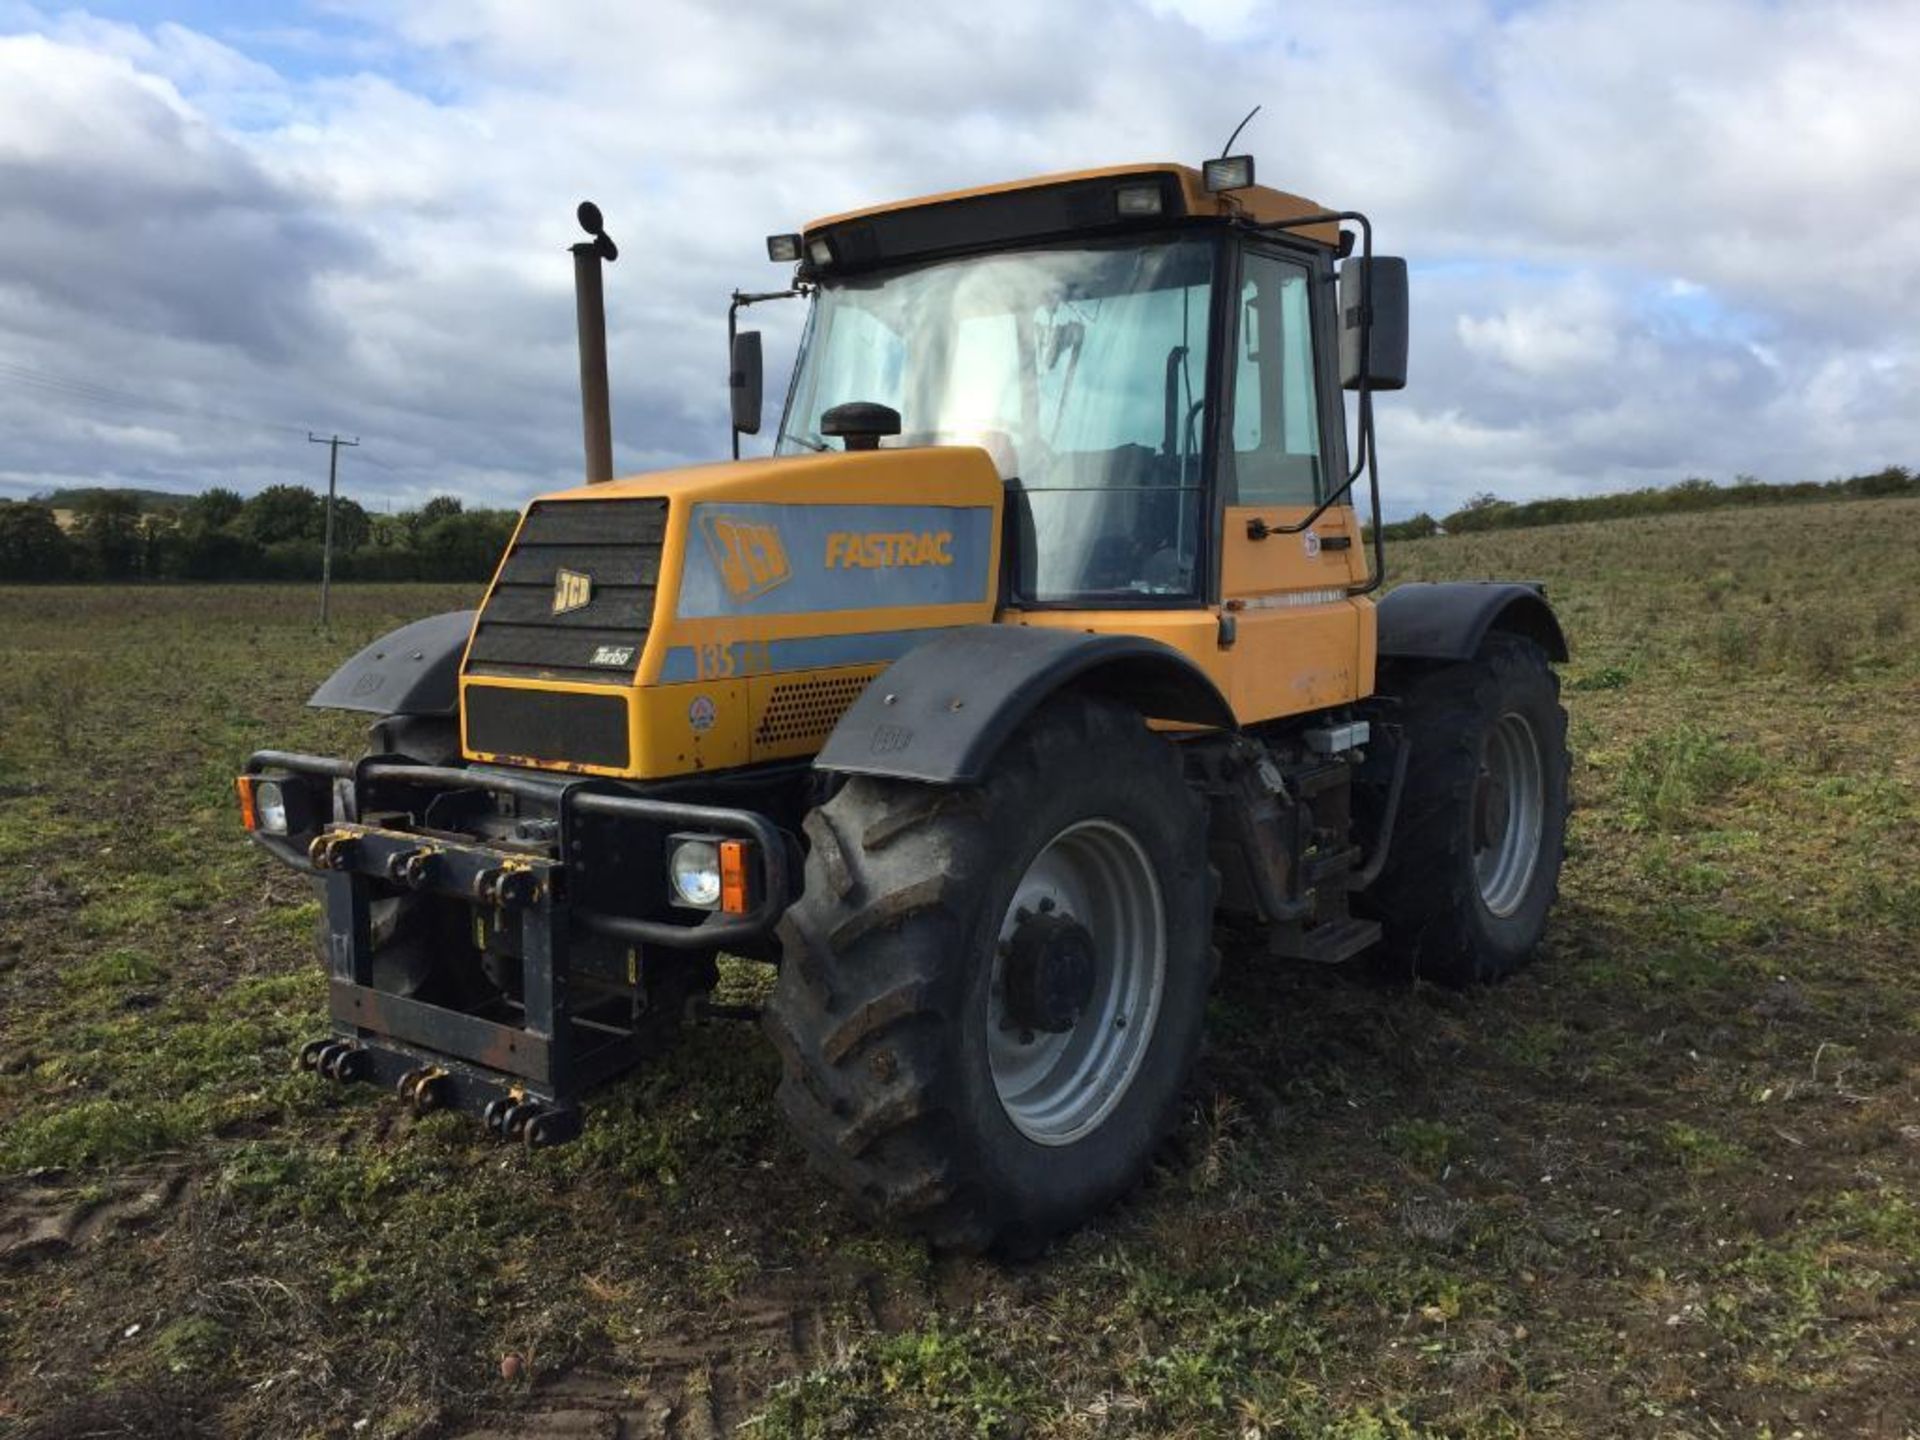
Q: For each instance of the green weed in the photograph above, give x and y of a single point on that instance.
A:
(193, 1344)
(1698, 1149)
(1424, 1144)
(1672, 776)
(1608, 677)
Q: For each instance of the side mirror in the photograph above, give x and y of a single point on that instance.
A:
(1385, 364)
(745, 382)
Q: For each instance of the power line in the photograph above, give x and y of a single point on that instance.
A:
(88, 392)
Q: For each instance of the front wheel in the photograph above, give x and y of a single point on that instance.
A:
(1474, 861)
(990, 998)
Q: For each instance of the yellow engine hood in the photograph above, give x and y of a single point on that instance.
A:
(722, 615)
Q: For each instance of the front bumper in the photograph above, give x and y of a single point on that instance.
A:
(563, 876)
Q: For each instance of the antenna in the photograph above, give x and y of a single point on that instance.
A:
(1236, 132)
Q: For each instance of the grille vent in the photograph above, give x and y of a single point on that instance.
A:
(807, 709)
(546, 725)
(530, 629)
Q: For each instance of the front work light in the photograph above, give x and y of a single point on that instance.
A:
(1229, 172)
(1137, 200)
(783, 249)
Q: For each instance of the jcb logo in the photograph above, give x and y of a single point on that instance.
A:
(750, 557)
(571, 590)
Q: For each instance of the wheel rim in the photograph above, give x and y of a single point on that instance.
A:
(1058, 1087)
(1509, 803)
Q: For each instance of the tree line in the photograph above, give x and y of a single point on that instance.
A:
(277, 534)
(1489, 512)
(218, 535)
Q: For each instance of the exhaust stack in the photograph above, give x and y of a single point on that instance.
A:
(596, 408)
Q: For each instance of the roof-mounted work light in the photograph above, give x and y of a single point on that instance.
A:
(783, 249)
(1138, 200)
(1229, 172)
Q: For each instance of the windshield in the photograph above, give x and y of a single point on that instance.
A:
(1080, 369)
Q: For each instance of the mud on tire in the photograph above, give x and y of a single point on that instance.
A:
(889, 980)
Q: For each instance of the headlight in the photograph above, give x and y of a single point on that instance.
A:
(285, 806)
(694, 868)
(270, 807)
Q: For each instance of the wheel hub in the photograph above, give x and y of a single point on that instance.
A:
(1050, 969)
(1509, 814)
(1074, 992)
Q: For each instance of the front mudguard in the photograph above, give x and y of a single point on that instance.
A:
(414, 670)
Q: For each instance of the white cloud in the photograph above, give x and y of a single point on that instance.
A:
(1650, 240)
(1575, 329)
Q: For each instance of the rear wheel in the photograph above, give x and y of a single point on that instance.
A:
(1474, 863)
(990, 998)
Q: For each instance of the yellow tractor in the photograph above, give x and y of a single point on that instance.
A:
(1044, 642)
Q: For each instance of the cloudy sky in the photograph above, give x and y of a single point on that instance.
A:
(1649, 239)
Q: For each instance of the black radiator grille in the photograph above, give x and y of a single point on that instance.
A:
(575, 596)
(560, 726)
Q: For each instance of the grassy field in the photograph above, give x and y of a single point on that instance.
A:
(1666, 1183)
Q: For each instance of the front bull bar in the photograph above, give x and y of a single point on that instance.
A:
(522, 1073)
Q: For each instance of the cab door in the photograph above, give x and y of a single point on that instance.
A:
(1300, 642)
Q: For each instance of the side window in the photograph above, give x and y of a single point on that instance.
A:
(1103, 382)
(1276, 426)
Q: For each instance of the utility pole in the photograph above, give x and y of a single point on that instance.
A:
(333, 445)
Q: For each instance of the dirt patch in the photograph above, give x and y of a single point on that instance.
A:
(710, 1374)
(42, 1221)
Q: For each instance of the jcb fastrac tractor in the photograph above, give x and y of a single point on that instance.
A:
(1043, 644)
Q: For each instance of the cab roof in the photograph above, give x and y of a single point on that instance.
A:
(1044, 206)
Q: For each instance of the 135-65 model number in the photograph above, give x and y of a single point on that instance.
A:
(725, 661)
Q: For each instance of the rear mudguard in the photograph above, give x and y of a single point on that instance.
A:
(1448, 621)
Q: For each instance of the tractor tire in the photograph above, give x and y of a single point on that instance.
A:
(990, 998)
(1474, 861)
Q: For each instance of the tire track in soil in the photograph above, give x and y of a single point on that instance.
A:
(41, 1221)
(705, 1379)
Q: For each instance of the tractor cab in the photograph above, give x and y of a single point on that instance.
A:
(1139, 351)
